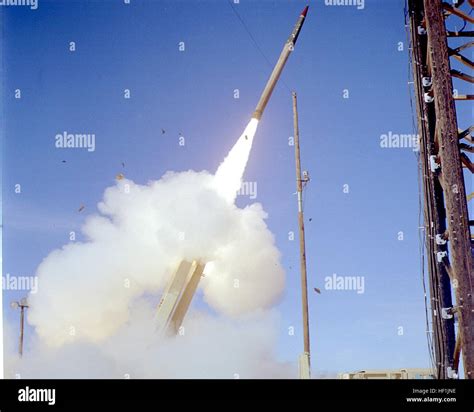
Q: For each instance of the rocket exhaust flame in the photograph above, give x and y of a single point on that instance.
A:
(229, 174)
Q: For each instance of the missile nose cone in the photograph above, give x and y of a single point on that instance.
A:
(305, 10)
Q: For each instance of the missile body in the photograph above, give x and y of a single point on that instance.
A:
(285, 53)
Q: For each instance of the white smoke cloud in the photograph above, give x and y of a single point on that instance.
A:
(86, 289)
(94, 311)
(211, 347)
(96, 300)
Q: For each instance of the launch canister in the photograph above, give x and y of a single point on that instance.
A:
(285, 53)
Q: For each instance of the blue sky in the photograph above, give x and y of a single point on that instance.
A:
(135, 47)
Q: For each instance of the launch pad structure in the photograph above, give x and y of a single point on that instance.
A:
(177, 297)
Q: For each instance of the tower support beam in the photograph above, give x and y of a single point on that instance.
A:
(452, 176)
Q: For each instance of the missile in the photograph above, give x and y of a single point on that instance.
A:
(285, 53)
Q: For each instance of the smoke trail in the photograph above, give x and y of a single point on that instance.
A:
(230, 172)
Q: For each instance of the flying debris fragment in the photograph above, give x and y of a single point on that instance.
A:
(120, 176)
(317, 290)
(81, 208)
(123, 164)
(163, 131)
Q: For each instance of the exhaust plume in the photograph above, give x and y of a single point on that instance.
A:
(229, 174)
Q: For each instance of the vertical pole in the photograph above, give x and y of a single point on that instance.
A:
(22, 319)
(299, 188)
